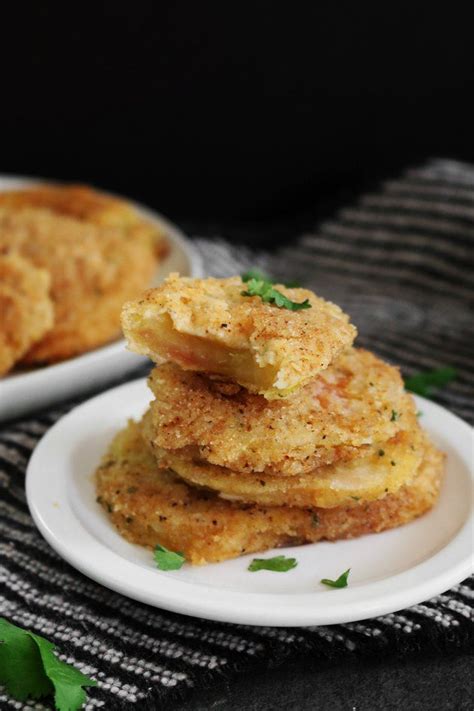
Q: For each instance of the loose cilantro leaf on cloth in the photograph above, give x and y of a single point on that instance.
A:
(29, 668)
(278, 564)
(341, 582)
(264, 289)
(168, 560)
(426, 383)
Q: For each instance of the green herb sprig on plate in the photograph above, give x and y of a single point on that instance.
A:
(341, 581)
(168, 560)
(427, 383)
(278, 564)
(29, 668)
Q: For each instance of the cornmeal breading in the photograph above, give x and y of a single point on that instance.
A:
(207, 325)
(93, 271)
(150, 507)
(369, 477)
(358, 402)
(26, 310)
(85, 204)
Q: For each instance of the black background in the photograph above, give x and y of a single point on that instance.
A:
(232, 114)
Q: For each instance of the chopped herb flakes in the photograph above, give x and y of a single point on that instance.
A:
(264, 289)
(341, 581)
(168, 560)
(278, 564)
(395, 416)
(427, 383)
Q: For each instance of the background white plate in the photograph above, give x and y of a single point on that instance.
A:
(389, 571)
(25, 391)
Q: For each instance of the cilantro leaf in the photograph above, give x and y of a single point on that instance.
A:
(341, 581)
(264, 289)
(21, 670)
(426, 383)
(67, 681)
(257, 274)
(278, 564)
(29, 668)
(254, 274)
(168, 560)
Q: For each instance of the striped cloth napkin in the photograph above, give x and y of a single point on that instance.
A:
(401, 263)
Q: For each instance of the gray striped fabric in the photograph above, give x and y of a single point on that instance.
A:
(401, 263)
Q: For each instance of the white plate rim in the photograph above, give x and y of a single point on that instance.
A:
(423, 581)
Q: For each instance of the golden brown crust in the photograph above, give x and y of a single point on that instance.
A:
(366, 478)
(150, 507)
(347, 407)
(25, 307)
(93, 271)
(294, 346)
(82, 203)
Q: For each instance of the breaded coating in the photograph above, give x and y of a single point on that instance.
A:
(364, 479)
(207, 325)
(93, 271)
(85, 204)
(150, 507)
(357, 402)
(26, 309)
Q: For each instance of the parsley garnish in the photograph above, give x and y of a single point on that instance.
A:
(426, 383)
(168, 560)
(257, 274)
(341, 582)
(254, 274)
(28, 668)
(264, 289)
(395, 416)
(278, 564)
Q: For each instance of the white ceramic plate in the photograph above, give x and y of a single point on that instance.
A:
(25, 391)
(389, 571)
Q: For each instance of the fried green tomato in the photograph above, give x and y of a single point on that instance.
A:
(211, 326)
(366, 478)
(151, 507)
(25, 307)
(85, 204)
(93, 270)
(357, 404)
